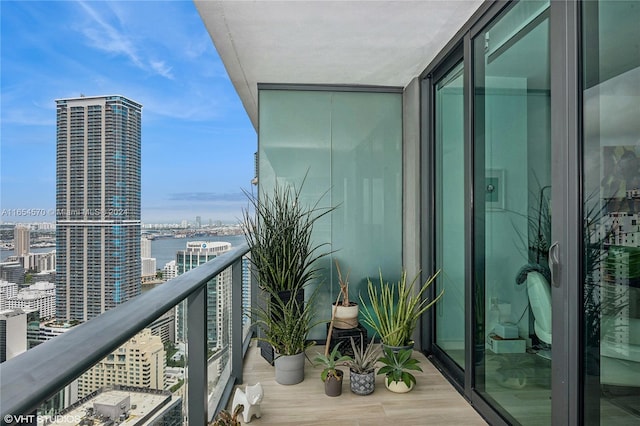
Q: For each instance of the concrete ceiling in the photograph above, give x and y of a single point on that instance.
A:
(385, 43)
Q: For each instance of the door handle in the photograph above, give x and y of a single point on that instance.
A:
(554, 263)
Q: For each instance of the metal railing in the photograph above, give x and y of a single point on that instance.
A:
(37, 374)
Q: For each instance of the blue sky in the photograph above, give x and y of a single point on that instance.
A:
(197, 141)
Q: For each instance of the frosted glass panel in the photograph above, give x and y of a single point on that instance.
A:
(367, 184)
(349, 144)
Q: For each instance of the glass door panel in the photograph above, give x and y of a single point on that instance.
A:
(449, 230)
(611, 205)
(512, 214)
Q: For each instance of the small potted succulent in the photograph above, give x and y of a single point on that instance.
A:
(396, 370)
(331, 375)
(362, 367)
(224, 418)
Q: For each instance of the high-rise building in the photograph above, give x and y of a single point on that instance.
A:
(22, 240)
(145, 247)
(218, 294)
(98, 204)
(139, 362)
(13, 333)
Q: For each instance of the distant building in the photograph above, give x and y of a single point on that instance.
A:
(53, 328)
(198, 253)
(40, 296)
(21, 240)
(140, 362)
(98, 204)
(165, 326)
(145, 247)
(39, 262)
(170, 270)
(124, 406)
(12, 272)
(148, 267)
(7, 290)
(13, 333)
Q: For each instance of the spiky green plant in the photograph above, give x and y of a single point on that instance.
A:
(224, 418)
(364, 359)
(286, 323)
(278, 227)
(330, 362)
(397, 366)
(396, 308)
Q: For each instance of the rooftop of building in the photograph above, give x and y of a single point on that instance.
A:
(142, 403)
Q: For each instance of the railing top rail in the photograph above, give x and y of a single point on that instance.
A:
(35, 375)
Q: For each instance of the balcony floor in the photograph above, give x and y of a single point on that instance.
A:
(433, 401)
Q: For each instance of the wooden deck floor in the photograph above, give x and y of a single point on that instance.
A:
(433, 401)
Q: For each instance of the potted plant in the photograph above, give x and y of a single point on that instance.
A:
(285, 325)
(345, 311)
(396, 308)
(224, 418)
(278, 227)
(396, 370)
(331, 375)
(362, 379)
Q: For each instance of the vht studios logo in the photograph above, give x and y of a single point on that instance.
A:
(24, 419)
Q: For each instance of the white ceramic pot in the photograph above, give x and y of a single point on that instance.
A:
(345, 316)
(397, 387)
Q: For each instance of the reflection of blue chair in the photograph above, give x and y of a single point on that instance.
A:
(539, 293)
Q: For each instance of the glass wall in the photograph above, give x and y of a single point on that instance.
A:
(512, 221)
(349, 145)
(450, 173)
(611, 200)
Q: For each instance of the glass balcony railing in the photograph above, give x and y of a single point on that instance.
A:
(61, 380)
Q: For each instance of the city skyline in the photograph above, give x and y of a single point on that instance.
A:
(197, 141)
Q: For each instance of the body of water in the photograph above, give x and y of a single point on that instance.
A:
(164, 249)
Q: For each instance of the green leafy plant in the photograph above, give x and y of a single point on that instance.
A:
(278, 227)
(286, 323)
(397, 366)
(364, 359)
(330, 362)
(396, 308)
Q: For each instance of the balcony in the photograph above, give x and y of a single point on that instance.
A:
(40, 373)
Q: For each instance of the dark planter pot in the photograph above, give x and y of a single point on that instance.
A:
(266, 350)
(362, 383)
(333, 384)
(396, 349)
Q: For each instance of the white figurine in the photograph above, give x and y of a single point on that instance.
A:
(250, 399)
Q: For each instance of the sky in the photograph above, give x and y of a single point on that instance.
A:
(197, 140)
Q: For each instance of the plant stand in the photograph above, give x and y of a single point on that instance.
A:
(344, 335)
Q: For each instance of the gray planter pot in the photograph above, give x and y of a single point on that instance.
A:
(289, 369)
(362, 384)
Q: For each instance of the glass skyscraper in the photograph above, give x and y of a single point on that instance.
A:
(97, 204)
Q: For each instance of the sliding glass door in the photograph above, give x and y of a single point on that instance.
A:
(611, 212)
(512, 213)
